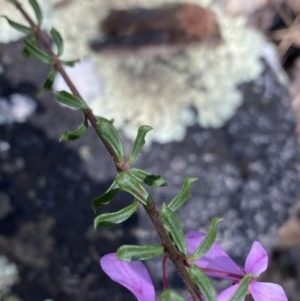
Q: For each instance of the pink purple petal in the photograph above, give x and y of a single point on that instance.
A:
(133, 275)
(226, 294)
(215, 259)
(263, 291)
(257, 259)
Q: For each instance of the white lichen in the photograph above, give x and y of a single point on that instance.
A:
(161, 92)
(17, 109)
(165, 92)
(8, 275)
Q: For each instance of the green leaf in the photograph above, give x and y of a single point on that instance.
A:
(17, 26)
(173, 227)
(112, 219)
(204, 284)
(207, 241)
(183, 195)
(132, 253)
(37, 11)
(80, 131)
(71, 100)
(111, 136)
(170, 295)
(70, 63)
(105, 198)
(129, 184)
(25, 51)
(58, 41)
(49, 81)
(151, 180)
(242, 289)
(37, 53)
(139, 142)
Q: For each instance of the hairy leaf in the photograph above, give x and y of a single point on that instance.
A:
(112, 219)
(105, 198)
(204, 284)
(183, 195)
(71, 100)
(58, 41)
(80, 131)
(208, 241)
(129, 184)
(170, 295)
(139, 142)
(37, 11)
(17, 26)
(37, 53)
(151, 180)
(173, 227)
(111, 136)
(132, 253)
(49, 81)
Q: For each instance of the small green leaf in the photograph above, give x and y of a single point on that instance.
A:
(58, 41)
(132, 253)
(204, 284)
(17, 26)
(170, 295)
(25, 52)
(129, 184)
(37, 53)
(151, 180)
(208, 241)
(37, 11)
(139, 142)
(111, 136)
(71, 100)
(79, 132)
(112, 219)
(49, 81)
(70, 63)
(173, 227)
(105, 198)
(242, 289)
(183, 195)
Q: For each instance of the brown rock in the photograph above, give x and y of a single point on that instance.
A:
(178, 24)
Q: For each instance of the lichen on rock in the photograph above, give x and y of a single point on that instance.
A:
(162, 91)
(170, 93)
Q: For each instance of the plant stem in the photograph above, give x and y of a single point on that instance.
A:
(175, 256)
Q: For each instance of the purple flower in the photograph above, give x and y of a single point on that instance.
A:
(133, 275)
(256, 263)
(216, 263)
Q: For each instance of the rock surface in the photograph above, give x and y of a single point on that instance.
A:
(247, 174)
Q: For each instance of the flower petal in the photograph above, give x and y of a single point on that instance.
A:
(226, 294)
(215, 259)
(263, 291)
(257, 259)
(133, 275)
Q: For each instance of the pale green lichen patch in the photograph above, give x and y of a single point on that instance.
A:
(161, 91)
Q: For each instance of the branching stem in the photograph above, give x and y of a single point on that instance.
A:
(175, 256)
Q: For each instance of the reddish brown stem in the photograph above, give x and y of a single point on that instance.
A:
(165, 271)
(176, 257)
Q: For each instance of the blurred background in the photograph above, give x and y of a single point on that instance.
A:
(219, 83)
